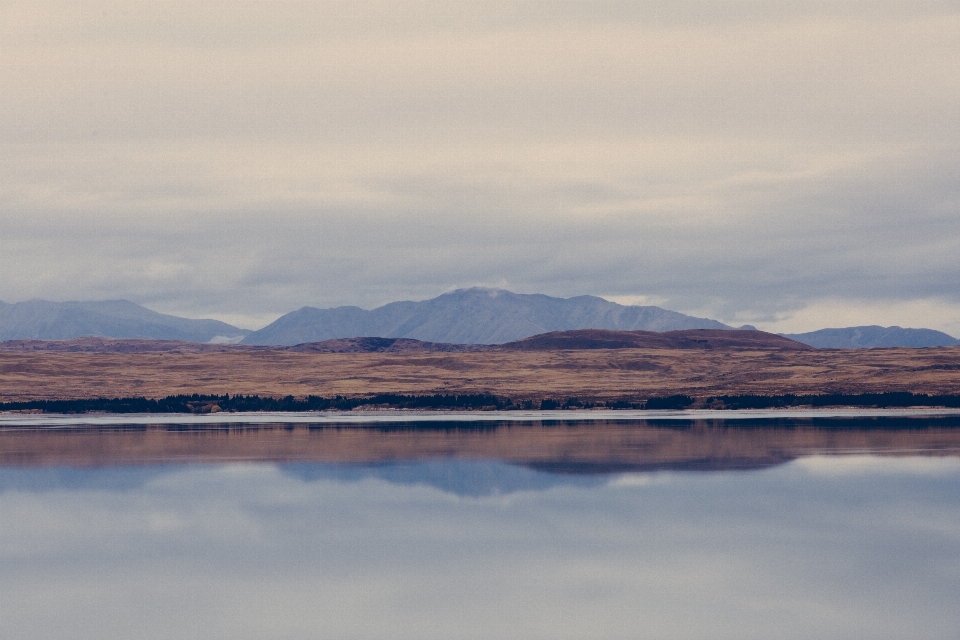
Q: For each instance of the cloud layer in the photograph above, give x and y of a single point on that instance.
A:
(830, 547)
(760, 162)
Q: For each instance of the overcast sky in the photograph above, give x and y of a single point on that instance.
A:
(789, 165)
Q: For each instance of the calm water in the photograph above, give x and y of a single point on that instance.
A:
(790, 528)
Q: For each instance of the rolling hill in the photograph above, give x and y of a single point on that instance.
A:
(689, 339)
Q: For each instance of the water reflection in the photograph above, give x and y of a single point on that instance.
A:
(846, 542)
(568, 446)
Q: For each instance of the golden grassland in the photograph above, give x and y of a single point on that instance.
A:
(590, 374)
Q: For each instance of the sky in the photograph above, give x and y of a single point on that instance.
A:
(792, 165)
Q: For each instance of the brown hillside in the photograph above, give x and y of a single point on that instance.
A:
(588, 374)
(689, 339)
(381, 345)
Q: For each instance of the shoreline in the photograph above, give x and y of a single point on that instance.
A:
(20, 421)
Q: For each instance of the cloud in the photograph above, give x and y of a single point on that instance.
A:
(870, 465)
(252, 550)
(941, 313)
(242, 160)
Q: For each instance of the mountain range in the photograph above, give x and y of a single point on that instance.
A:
(472, 316)
(44, 320)
(465, 316)
(873, 336)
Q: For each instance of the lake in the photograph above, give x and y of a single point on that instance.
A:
(776, 524)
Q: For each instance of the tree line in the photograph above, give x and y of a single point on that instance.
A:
(199, 404)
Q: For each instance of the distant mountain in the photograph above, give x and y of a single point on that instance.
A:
(96, 344)
(43, 320)
(472, 316)
(873, 336)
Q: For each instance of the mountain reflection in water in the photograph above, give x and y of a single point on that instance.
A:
(561, 446)
(564, 530)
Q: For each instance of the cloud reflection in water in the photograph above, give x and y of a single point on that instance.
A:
(826, 547)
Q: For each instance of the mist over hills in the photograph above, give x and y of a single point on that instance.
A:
(44, 320)
(472, 316)
(873, 336)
